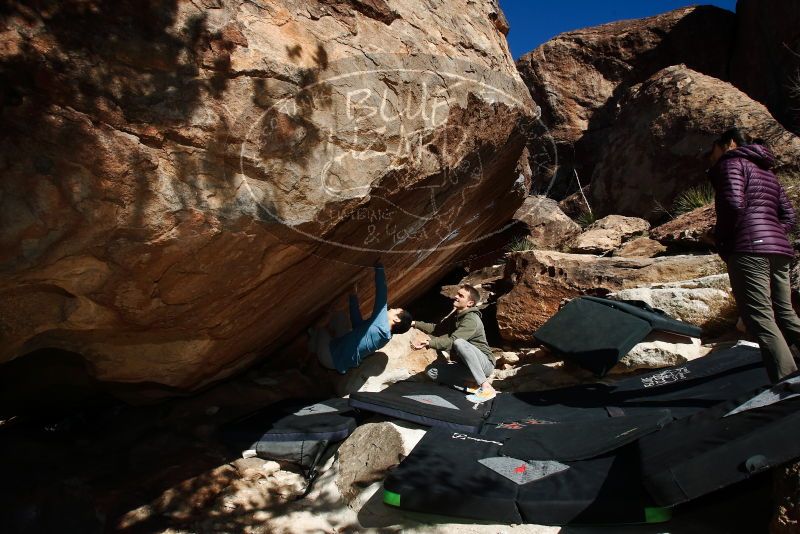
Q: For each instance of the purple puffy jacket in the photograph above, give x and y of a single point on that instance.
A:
(753, 212)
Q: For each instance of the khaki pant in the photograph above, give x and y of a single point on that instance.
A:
(478, 363)
(761, 288)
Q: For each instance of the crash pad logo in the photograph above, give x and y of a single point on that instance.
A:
(432, 400)
(382, 153)
(316, 409)
(665, 377)
(466, 437)
(519, 425)
(522, 472)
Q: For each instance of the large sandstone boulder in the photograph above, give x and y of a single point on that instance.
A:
(766, 57)
(186, 188)
(607, 234)
(543, 279)
(578, 77)
(655, 148)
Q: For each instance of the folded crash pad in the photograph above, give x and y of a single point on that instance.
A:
(596, 332)
(425, 403)
(466, 475)
(293, 431)
(722, 445)
(659, 319)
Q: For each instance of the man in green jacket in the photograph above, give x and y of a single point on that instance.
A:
(467, 341)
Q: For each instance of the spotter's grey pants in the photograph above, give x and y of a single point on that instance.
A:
(479, 364)
(760, 286)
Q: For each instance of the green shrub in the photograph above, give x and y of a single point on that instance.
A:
(585, 218)
(520, 244)
(694, 197)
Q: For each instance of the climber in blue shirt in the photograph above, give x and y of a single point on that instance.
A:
(346, 350)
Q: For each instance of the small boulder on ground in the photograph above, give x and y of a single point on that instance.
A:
(575, 204)
(660, 349)
(608, 233)
(548, 226)
(706, 302)
(693, 229)
(540, 369)
(371, 451)
(786, 519)
(641, 247)
(506, 358)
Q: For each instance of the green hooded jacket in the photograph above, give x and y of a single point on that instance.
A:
(468, 326)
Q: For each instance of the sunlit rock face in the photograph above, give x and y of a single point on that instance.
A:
(579, 76)
(187, 185)
(656, 149)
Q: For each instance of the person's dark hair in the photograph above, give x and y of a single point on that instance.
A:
(732, 134)
(405, 323)
(473, 293)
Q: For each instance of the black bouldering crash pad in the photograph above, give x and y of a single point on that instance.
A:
(466, 475)
(293, 431)
(681, 390)
(425, 403)
(723, 445)
(595, 332)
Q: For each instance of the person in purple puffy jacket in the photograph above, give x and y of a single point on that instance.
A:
(753, 217)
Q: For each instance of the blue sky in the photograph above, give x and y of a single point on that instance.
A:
(534, 22)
